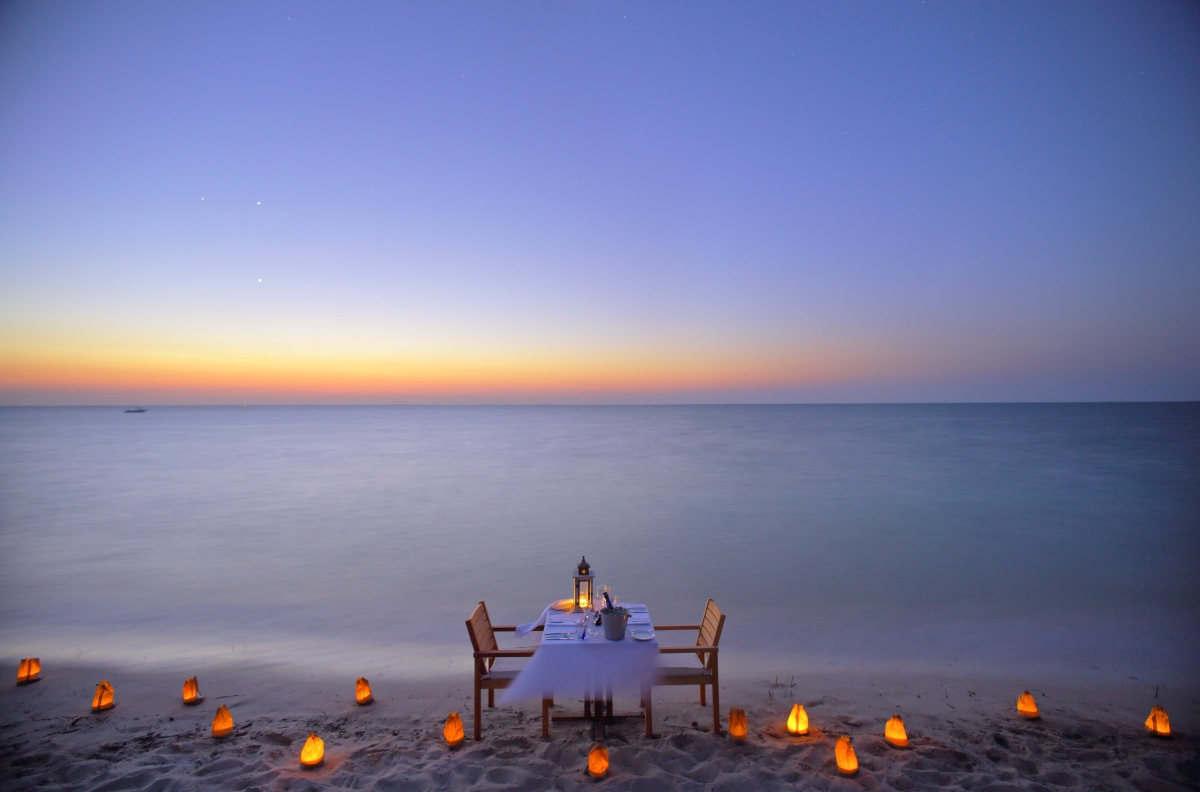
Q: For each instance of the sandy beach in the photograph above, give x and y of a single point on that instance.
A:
(963, 734)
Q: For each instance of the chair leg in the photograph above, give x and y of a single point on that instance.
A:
(702, 696)
(546, 718)
(716, 686)
(478, 712)
(608, 705)
(491, 698)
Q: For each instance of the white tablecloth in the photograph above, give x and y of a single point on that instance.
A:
(585, 668)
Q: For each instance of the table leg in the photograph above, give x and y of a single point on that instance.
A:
(546, 718)
(648, 703)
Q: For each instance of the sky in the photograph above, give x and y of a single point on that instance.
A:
(548, 202)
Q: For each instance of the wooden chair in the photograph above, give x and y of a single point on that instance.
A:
(483, 640)
(707, 637)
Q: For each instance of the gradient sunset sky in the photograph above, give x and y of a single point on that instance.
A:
(217, 203)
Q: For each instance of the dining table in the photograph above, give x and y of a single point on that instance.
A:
(576, 662)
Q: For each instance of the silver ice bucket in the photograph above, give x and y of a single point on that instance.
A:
(614, 625)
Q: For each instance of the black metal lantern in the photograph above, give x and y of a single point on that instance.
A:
(583, 586)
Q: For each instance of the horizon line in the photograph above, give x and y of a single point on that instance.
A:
(149, 406)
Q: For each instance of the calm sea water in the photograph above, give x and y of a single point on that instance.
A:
(1021, 538)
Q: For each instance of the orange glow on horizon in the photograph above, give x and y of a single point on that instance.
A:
(468, 375)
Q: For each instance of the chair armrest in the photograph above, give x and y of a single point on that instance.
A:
(677, 626)
(505, 653)
(686, 649)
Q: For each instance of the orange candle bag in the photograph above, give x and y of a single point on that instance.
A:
(453, 731)
(894, 732)
(104, 697)
(362, 691)
(598, 761)
(847, 760)
(1027, 707)
(29, 671)
(797, 724)
(191, 692)
(222, 722)
(313, 752)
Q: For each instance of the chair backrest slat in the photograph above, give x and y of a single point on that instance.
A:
(710, 630)
(483, 638)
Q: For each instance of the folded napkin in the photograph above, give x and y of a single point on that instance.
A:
(554, 607)
(525, 629)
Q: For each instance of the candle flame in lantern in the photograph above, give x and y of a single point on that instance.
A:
(362, 691)
(847, 761)
(797, 723)
(222, 722)
(1158, 723)
(104, 697)
(28, 670)
(191, 691)
(313, 752)
(894, 732)
(453, 732)
(1027, 707)
(598, 761)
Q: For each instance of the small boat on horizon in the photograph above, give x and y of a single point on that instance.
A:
(136, 410)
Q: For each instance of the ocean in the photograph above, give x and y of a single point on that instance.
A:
(1060, 541)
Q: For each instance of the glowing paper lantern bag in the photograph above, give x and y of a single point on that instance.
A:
(797, 724)
(598, 761)
(191, 692)
(28, 671)
(222, 722)
(1027, 707)
(1158, 723)
(313, 752)
(362, 691)
(453, 731)
(104, 697)
(895, 733)
(847, 760)
(737, 723)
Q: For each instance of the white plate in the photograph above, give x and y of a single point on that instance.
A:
(641, 635)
